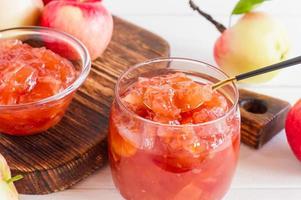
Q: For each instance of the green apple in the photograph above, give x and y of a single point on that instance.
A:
(255, 41)
(7, 188)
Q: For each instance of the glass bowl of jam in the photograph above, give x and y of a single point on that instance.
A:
(40, 70)
(171, 136)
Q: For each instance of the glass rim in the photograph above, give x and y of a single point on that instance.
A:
(86, 66)
(165, 59)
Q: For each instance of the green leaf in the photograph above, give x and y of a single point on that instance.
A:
(14, 179)
(244, 6)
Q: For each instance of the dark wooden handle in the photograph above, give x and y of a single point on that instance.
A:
(277, 66)
(262, 117)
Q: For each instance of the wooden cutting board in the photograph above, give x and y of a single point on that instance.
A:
(76, 147)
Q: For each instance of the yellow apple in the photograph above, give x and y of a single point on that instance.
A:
(19, 13)
(255, 41)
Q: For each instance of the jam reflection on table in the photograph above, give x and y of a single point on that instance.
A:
(172, 138)
(28, 75)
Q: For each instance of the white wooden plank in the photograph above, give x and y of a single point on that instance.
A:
(87, 194)
(273, 166)
(180, 7)
(100, 180)
(264, 194)
(234, 194)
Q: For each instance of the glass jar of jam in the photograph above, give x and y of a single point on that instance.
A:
(171, 137)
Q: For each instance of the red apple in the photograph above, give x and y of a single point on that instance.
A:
(87, 20)
(48, 1)
(293, 129)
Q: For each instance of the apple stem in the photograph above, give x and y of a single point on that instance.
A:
(220, 27)
(14, 179)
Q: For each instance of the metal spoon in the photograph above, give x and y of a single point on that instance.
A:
(274, 67)
(270, 68)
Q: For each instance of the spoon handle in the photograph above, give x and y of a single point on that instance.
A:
(277, 66)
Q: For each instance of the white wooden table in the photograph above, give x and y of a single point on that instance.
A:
(271, 173)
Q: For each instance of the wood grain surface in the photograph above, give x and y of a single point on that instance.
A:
(57, 159)
(262, 117)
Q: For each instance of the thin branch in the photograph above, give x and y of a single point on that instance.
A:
(220, 27)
